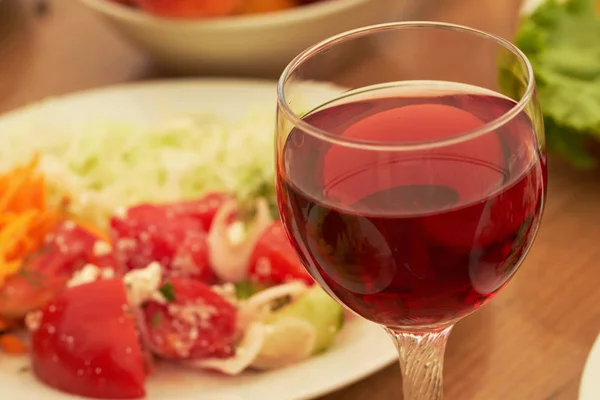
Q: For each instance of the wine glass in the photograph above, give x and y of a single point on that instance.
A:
(411, 188)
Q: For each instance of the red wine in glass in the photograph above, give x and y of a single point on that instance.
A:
(421, 235)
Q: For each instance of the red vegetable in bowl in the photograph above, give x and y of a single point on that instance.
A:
(190, 8)
(194, 9)
(85, 343)
(264, 6)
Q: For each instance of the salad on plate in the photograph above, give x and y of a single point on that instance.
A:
(125, 247)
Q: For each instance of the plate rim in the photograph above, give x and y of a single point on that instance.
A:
(587, 382)
(134, 85)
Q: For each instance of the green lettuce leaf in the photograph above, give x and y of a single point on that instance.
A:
(562, 41)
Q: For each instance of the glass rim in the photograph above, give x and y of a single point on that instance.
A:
(487, 127)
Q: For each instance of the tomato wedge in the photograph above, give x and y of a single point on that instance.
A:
(45, 273)
(39, 280)
(202, 210)
(274, 260)
(172, 235)
(196, 323)
(85, 343)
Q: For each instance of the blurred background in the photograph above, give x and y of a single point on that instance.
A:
(50, 47)
(542, 325)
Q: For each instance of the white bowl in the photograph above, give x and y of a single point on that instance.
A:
(254, 45)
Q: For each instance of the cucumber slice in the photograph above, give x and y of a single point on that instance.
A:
(288, 341)
(319, 310)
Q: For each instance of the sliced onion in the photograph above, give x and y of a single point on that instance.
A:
(230, 257)
(246, 352)
(258, 307)
(251, 313)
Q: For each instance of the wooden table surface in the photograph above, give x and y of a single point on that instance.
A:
(530, 343)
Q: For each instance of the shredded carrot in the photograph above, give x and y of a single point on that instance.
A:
(11, 344)
(92, 229)
(17, 181)
(25, 216)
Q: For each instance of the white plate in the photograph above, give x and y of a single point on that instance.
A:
(590, 382)
(361, 349)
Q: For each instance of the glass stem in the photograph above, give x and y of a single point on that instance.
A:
(422, 361)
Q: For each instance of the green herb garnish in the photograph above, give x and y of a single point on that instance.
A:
(168, 292)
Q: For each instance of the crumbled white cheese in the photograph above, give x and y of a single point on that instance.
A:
(107, 273)
(33, 320)
(101, 248)
(143, 284)
(90, 273)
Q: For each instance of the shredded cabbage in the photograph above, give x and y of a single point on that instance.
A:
(112, 166)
